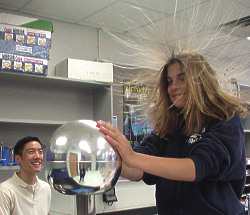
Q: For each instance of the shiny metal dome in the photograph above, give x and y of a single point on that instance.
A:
(80, 160)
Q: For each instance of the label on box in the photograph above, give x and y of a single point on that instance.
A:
(6, 64)
(16, 30)
(8, 36)
(23, 49)
(19, 38)
(31, 40)
(18, 66)
(15, 48)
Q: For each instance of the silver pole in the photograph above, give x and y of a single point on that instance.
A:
(85, 204)
(248, 203)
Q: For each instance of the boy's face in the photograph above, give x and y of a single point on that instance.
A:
(32, 157)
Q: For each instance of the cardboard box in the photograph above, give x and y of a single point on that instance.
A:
(24, 41)
(85, 70)
(17, 63)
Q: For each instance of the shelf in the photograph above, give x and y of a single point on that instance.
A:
(122, 180)
(21, 77)
(29, 121)
(9, 168)
(247, 130)
(47, 100)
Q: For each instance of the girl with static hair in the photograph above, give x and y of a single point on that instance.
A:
(195, 156)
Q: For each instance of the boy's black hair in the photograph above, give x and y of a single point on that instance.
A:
(18, 149)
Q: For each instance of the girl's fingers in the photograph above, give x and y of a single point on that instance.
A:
(108, 132)
(116, 139)
(108, 129)
(106, 125)
(114, 143)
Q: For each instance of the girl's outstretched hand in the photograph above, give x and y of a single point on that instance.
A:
(118, 142)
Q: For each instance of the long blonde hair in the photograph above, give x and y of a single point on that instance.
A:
(205, 98)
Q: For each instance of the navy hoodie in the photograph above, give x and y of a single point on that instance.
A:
(219, 157)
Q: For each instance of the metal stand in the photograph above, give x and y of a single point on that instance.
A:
(248, 203)
(85, 205)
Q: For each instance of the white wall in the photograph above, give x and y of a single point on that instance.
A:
(111, 49)
(74, 41)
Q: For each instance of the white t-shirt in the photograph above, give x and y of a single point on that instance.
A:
(19, 198)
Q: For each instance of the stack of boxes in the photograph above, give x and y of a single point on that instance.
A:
(24, 49)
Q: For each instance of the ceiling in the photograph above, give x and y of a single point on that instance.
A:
(190, 20)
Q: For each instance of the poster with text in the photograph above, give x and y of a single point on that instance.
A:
(136, 125)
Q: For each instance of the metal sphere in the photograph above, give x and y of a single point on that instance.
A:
(80, 160)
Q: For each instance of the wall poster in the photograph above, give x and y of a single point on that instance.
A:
(136, 125)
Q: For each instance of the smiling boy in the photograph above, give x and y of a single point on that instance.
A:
(24, 193)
